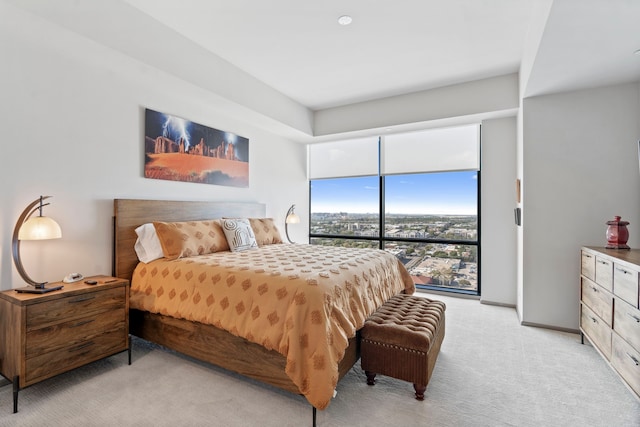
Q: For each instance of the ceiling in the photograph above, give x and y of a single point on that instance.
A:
(296, 48)
(587, 43)
(391, 48)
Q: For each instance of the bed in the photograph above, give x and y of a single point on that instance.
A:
(216, 316)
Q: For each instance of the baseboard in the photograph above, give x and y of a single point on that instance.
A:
(554, 328)
(535, 325)
(446, 294)
(499, 304)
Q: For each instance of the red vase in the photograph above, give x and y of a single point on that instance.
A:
(617, 234)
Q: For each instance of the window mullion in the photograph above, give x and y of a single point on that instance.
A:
(381, 218)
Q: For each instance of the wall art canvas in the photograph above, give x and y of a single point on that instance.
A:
(177, 149)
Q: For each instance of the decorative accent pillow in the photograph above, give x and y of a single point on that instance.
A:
(239, 234)
(265, 231)
(190, 238)
(147, 246)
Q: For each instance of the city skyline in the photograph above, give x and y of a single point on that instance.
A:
(442, 193)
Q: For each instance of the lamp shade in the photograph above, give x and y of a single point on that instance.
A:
(33, 228)
(293, 218)
(39, 228)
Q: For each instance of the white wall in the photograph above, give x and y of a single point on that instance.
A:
(519, 231)
(72, 117)
(498, 229)
(492, 97)
(580, 169)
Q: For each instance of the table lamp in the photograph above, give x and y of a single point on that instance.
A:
(33, 228)
(291, 218)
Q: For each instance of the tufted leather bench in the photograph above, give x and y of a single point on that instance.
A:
(402, 340)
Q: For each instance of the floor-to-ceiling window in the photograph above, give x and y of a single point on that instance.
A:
(415, 195)
(346, 210)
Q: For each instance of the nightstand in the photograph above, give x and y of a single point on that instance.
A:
(43, 335)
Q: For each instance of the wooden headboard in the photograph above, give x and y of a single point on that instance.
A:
(131, 213)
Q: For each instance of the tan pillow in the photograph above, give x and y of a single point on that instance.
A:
(265, 230)
(190, 238)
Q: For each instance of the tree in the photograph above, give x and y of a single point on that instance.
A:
(448, 275)
(436, 275)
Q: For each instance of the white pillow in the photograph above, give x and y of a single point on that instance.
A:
(148, 247)
(239, 234)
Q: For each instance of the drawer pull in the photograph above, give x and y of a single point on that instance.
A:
(81, 299)
(634, 359)
(84, 322)
(586, 255)
(594, 319)
(603, 262)
(594, 289)
(81, 346)
(636, 318)
(623, 270)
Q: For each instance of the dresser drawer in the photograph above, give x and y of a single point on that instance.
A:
(604, 273)
(599, 333)
(69, 334)
(75, 307)
(53, 363)
(625, 284)
(626, 322)
(588, 265)
(598, 299)
(626, 360)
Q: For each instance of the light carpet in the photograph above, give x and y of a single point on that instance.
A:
(491, 372)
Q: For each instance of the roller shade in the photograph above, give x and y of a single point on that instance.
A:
(433, 150)
(339, 159)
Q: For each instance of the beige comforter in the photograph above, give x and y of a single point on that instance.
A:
(304, 301)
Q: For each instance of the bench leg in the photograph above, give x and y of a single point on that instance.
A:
(371, 377)
(419, 388)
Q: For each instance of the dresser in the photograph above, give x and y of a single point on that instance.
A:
(43, 335)
(610, 310)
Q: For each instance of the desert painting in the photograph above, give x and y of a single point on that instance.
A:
(180, 150)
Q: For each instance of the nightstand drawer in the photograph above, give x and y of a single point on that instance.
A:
(598, 300)
(75, 307)
(626, 323)
(588, 265)
(596, 330)
(53, 363)
(69, 334)
(626, 360)
(625, 284)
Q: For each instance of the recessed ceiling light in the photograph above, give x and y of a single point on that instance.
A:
(345, 20)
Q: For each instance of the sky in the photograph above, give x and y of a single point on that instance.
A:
(451, 193)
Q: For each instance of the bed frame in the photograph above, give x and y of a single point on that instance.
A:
(198, 340)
